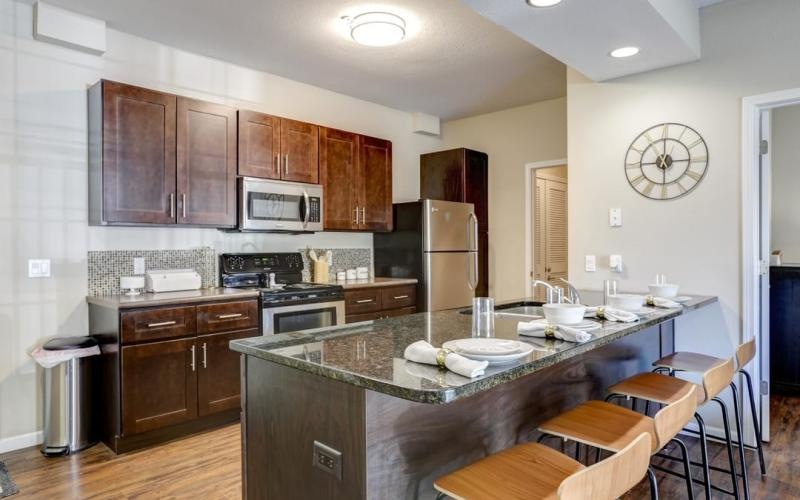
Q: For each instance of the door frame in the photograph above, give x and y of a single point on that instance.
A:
(529, 173)
(756, 202)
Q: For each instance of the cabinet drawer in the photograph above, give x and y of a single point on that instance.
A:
(226, 316)
(398, 297)
(391, 313)
(362, 301)
(157, 324)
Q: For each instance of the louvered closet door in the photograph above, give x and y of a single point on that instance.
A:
(539, 253)
(555, 231)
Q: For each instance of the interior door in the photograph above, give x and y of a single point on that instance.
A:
(206, 163)
(300, 151)
(539, 237)
(338, 160)
(762, 374)
(375, 180)
(550, 243)
(259, 145)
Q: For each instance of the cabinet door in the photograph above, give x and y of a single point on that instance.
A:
(299, 150)
(375, 184)
(259, 145)
(219, 384)
(159, 385)
(138, 158)
(206, 163)
(442, 175)
(477, 186)
(338, 158)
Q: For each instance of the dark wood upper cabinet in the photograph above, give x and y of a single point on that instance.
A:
(375, 183)
(218, 387)
(338, 157)
(299, 151)
(206, 163)
(259, 145)
(131, 155)
(159, 385)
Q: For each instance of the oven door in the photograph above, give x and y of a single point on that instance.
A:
(284, 319)
(279, 206)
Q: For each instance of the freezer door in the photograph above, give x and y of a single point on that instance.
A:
(450, 226)
(450, 279)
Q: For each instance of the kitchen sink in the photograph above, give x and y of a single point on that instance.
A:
(527, 309)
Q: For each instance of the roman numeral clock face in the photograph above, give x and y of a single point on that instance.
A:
(666, 161)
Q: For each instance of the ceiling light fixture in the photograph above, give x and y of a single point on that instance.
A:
(543, 3)
(624, 52)
(377, 29)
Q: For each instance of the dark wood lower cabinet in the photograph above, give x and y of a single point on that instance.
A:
(371, 303)
(218, 387)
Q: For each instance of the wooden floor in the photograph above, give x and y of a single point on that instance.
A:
(208, 466)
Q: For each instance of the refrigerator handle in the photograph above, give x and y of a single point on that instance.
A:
(473, 232)
(472, 270)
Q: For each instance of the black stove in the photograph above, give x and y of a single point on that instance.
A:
(253, 270)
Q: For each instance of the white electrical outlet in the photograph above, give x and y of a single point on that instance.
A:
(138, 265)
(615, 263)
(615, 217)
(591, 263)
(38, 268)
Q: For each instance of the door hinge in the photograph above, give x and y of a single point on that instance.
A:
(764, 387)
(763, 267)
(764, 147)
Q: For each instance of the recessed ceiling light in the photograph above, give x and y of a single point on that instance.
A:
(377, 29)
(543, 3)
(624, 52)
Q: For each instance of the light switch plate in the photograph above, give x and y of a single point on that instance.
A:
(615, 263)
(615, 217)
(591, 263)
(38, 268)
(138, 265)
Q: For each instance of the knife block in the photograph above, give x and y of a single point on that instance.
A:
(321, 272)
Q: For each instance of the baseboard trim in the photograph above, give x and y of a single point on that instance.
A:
(14, 443)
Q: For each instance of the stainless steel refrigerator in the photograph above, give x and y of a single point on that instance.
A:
(435, 242)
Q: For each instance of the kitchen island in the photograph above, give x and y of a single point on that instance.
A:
(399, 425)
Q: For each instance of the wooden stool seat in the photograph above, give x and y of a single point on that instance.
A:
(526, 471)
(601, 425)
(689, 362)
(657, 388)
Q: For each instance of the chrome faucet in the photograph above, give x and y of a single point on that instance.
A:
(555, 295)
(574, 295)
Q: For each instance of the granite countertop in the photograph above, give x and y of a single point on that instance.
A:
(375, 282)
(171, 298)
(370, 354)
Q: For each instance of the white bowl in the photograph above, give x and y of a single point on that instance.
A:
(667, 291)
(626, 302)
(564, 314)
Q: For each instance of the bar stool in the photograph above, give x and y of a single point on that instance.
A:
(693, 362)
(610, 427)
(663, 389)
(533, 471)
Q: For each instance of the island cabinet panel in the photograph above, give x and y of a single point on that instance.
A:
(259, 145)
(206, 163)
(133, 154)
(374, 180)
(159, 385)
(218, 386)
(299, 150)
(338, 159)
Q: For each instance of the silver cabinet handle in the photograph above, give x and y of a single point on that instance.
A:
(399, 297)
(205, 356)
(159, 325)
(363, 215)
(172, 205)
(229, 316)
(285, 164)
(356, 211)
(183, 204)
(365, 301)
(193, 365)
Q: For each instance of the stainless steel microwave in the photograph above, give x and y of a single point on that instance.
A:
(267, 205)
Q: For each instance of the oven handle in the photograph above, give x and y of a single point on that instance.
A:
(308, 208)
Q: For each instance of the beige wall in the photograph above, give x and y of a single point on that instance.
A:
(748, 48)
(43, 208)
(511, 138)
(785, 232)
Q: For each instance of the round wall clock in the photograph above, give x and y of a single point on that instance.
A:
(666, 161)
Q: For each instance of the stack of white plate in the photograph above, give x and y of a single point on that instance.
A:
(495, 351)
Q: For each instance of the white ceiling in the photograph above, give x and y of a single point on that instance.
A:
(455, 63)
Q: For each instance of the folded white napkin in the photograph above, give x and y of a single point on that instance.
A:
(537, 328)
(661, 302)
(611, 314)
(422, 352)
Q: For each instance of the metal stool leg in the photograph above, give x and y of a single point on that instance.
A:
(738, 416)
(727, 425)
(704, 454)
(687, 468)
(756, 423)
(653, 483)
(441, 496)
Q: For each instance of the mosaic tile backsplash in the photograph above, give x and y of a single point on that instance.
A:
(107, 266)
(343, 258)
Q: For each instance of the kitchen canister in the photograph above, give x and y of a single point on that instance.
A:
(352, 274)
(341, 275)
(362, 273)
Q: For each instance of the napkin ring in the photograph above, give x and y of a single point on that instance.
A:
(650, 300)
(441, 356)
(601, 312)
(550, 331)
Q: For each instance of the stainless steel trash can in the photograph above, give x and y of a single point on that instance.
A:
(68, 399)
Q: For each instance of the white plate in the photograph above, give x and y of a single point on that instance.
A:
(487, 347)
(680, 299)
(525, 350)
(585, 325)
